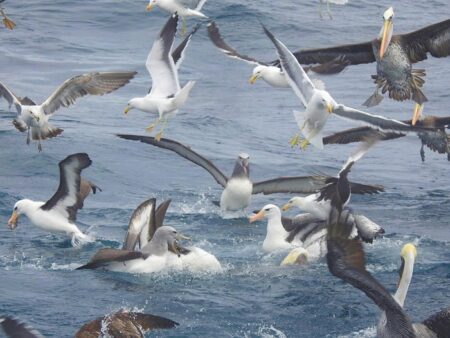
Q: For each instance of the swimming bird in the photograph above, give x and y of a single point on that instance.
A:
(319, 104)
(346, 260)
(117, 325)
(238, 188)
(7, 22)
(438, 140)
(166, 96)
(329, 202)
(394, 56)
(159, 247)
(270, 73)
(177, 6)
(35, 117)
(59, 213)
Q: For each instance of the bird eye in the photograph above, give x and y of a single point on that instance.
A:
(15, 208)
(174, 232)
(268, 209)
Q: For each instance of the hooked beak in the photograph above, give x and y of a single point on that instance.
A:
(179, 237)
(174, 248)
(127, 109)
(329, 108)
(417, 113)
(12, 222)
(253, 78)
(286, 207)
(149, 7)
(385, 36)
(259, 216)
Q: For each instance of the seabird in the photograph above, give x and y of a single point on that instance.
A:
(238, 188)
(438, 140)
(159, 247)
(328, 2)
(269, 72)
(174, 6)
(346, 260)
(7, 22)
(335, 195)
(117, 325)
(166, 96)
(58, 214)
(319, 104)
(394, 55)
(35, 117)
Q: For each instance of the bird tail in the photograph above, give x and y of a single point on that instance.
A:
(313, 136)
(181, 97)
(46, 131)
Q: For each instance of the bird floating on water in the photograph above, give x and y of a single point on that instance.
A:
(271, 73)
(58, 214)
(34, 117)
(166, 96)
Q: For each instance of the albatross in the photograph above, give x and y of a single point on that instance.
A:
(166, 96)
(319, 104)
(158, 247)
(346, 260)
(269, 72)
(59, 213)
(394, 56)
(238, 188)
(35, 117)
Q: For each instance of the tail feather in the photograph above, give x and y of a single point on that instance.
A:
(418, 96)
(183, 94)
(314, 136)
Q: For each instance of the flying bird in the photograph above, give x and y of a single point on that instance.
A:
(179, 7)
(166, 96)
(59, 213)
(319, 104)
(437, 140)
(238, 188)
(270, 72)
(34, 118)
(394, 55)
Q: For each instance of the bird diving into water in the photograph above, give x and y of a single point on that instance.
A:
(394, 56)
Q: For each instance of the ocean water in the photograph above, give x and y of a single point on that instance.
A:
(224, 116)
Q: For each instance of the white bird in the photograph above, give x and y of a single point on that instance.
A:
(327, 2)
(35, 117)
(58, 214)
(319, 104)
(176, 6)
(166, 95)
(158, 247)
(270, 72)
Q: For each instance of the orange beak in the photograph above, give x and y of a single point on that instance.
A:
(259, 216)
(149, 7)
(12, 222)
(417, 113)
(386, 37)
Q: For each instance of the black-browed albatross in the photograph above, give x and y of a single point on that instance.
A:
(58, 214)
(269, 72)
(319, 104)
(238, 188)
(34, 117)
(394, 55)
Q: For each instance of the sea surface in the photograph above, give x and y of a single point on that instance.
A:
(254, 296)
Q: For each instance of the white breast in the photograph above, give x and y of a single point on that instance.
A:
(237, 194)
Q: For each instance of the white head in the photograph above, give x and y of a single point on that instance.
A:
(151, 4)
(322, 101)
(21, 207)
(386, 30)
(296, 201)
(165, 238)
(269, 211)
(258, 71)
(132, 104)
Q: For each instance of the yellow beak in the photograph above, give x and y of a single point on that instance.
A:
(127, 109)
(12, 222)
(329, 108)
(149, 7)
(181, 236)
(384, 39)
(417, 113)
(259, 216)
(286, 207)
(252, 79)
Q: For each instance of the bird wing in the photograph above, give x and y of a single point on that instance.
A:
(14, 328)
(81, 85)
(109, 255)
(346, 260)
(298, 184)
(437, 141)
(357, 155)
(160, 63)
(365, 189)
(10, 97)
(140, 218)
(367, 229)
(216, 38)
(183, 151)
(160, 214)
(67, 199)
(439, 323)
(178, 53)
(295, 75)
(376, 121)
(359, 134)
(434, 39)
(147, 321)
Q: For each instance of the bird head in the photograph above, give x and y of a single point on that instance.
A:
(407, 256)
(268, 211)
(171, 236)
(257, 73)
(386, 30)
(34, 116)
(324, 101)
(13, 220)
(293, 202)
(151, 4)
